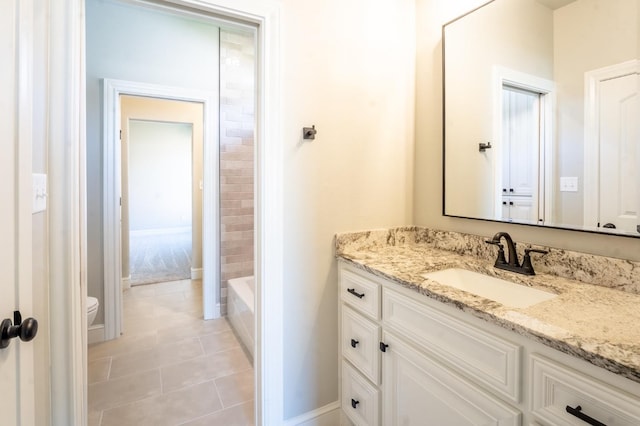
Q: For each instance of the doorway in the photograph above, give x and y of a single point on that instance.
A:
(612, 105)
(68, 111)
(523, 124)
(520, 154)
(161, 177)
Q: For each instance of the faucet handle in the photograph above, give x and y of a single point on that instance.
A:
(527, 266)
(500, 260)
(531, 250)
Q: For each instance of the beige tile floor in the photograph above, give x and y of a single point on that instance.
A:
(170, 367)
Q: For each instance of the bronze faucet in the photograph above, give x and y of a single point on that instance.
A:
(513, 264)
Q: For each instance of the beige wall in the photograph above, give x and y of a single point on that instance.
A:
(431, 15)
(141, 108)
(492, 36)
(348, 68)
(237, 140)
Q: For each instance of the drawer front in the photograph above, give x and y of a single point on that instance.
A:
(360, 342)
(491, 361)
(360, 292)
(360, 399)
(556, 387)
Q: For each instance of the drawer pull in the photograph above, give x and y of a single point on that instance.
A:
(354, 343)
(354, 403)
(579, 414)
(383, 346)
(355, 293)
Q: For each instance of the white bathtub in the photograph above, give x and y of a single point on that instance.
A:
(240, 309)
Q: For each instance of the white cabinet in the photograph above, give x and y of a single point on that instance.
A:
(562, 395)
(409, 360)
(392, 369)
(417, 390)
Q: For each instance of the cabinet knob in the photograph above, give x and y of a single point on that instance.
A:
(383, 346)
(354, 403)
(354, 343)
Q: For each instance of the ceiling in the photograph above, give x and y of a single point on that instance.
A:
(555, 4)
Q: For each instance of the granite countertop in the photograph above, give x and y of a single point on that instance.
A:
(596, 323)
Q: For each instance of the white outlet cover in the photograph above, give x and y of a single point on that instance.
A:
(569, 184)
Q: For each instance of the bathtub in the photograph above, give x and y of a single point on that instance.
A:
(240, 310)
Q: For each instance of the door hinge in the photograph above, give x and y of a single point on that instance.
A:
(120, 134)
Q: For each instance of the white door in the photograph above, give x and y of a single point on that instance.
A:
(619, 140)
(16, 360)
(418, 391)
(521, 146)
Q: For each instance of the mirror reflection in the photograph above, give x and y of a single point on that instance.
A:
(541, 114)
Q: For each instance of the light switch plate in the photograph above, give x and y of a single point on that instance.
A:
(569, 184)
(39, 193)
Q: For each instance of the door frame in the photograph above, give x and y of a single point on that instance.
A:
(592, 80)
(546, 88)
(67, 157)
(112, 173)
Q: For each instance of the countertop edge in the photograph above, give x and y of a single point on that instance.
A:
(593, 358)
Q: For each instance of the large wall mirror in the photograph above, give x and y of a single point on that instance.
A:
(541, 114)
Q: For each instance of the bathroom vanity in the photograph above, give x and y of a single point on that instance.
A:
(417, 351)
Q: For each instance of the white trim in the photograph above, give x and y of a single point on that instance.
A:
(67, 213)
(592, 80)
(546, 88)
(112, 193)
(67, 118)
(126, 283)
(95, 334)
(323, 416)
(196, 274)
(160, 231)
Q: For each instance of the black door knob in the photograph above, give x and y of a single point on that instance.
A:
(26, 330)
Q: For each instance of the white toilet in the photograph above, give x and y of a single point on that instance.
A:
(92, 310)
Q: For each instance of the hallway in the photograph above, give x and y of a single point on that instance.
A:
(170, 367)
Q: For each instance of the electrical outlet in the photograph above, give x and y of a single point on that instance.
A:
(569, 184)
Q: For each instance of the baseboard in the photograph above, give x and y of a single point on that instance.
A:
(196, 273)
(96, 334)
(159, 231)
(329, 415)
(126, 283)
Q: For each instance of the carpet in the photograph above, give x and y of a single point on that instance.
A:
(160, 257)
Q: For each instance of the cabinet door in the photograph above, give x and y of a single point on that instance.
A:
(418, 391)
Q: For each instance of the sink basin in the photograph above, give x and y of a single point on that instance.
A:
(496, 289)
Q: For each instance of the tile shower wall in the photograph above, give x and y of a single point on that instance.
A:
(237, 100)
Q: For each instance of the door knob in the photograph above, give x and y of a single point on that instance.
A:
(26, 330)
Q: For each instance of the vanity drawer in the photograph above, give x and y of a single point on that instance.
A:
(360, 400)
(360, 292)
(556, 387)
(360, 343)
(490, 360)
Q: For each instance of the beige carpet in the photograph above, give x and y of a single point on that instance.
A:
(160, 257)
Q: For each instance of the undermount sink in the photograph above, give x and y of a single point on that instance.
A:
(496, 289)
